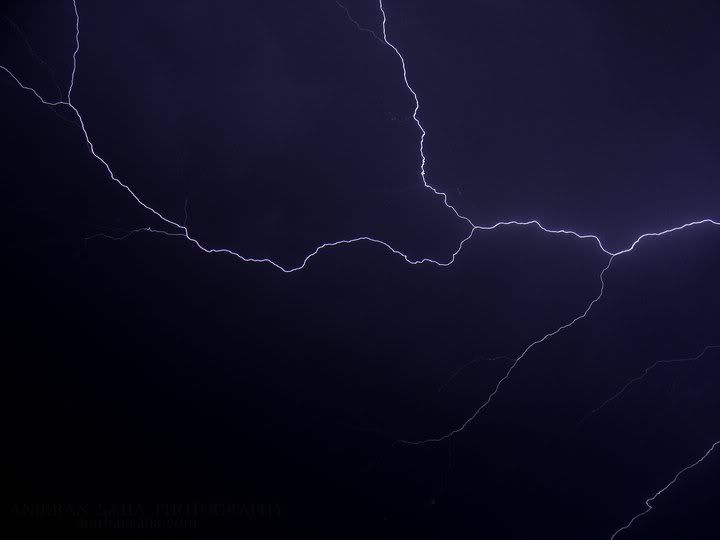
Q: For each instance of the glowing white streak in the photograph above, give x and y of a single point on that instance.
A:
(185, 233)
(707, 221)
(514, 364)
(644, 373)
(128, 234)
(517, 360)
(357, 24)
(423, 159)
(32, 90)
(649, 501)
(75, 52)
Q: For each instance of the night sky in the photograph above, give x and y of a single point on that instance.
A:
(141, 373)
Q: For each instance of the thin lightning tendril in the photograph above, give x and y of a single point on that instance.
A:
(649, 502)
(644, 373)
(128, 234)
(465, 366)
(358, 25)
(515, 362)
(183, 232)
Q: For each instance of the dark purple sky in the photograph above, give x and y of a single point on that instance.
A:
(148, 371)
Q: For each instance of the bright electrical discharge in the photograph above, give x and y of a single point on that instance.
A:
(181, 230)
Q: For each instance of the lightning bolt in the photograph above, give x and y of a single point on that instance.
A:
(649, 502)
(182, 231)
(30, 49)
